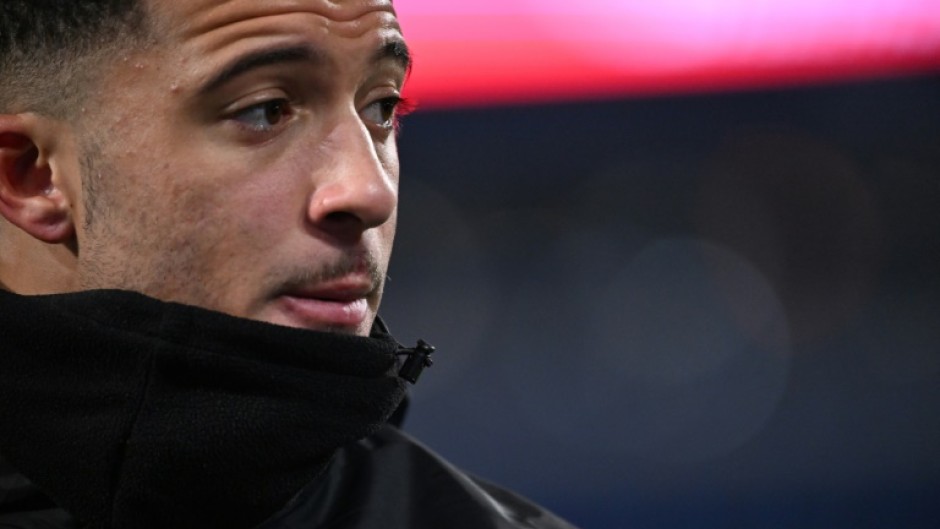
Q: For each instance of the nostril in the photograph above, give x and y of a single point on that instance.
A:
(342, 225)
(341, 217)
(366, 204)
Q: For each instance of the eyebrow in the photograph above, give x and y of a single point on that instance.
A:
(260, 59)
(395, 50)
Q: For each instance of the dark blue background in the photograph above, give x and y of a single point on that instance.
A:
(718, 310)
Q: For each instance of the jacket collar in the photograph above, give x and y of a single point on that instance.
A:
(131, 412)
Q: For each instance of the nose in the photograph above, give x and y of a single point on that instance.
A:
(358, 188)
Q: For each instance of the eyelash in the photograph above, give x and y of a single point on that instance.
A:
(392, 110)
(243, 116)
(396, 107)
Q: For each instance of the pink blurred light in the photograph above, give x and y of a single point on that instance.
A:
(534, 50)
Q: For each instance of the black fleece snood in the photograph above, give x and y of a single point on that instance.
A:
(129, 412)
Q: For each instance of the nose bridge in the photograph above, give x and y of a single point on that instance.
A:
(358, 185)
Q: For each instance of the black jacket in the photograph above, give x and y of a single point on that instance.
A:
(126, 412)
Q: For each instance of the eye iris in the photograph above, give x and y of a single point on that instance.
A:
(274, 111)
(388, 109)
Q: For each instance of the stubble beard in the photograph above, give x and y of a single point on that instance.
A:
(120, 249)
(124, 248)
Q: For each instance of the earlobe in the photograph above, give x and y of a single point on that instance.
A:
(30, 196)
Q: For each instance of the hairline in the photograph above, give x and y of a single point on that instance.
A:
(62, 82)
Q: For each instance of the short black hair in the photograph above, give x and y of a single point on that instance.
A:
(49, 49)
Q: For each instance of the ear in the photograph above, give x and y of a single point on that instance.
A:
(31, 195)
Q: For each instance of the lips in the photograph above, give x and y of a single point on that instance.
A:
(340, 305)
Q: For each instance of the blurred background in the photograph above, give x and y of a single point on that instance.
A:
(681, 259)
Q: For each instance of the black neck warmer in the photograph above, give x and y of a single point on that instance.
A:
(133, 413)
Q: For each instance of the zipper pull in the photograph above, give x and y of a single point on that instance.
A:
(419, 357)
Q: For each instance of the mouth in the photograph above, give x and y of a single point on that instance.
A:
(340, 305)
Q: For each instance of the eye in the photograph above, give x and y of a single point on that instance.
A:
(385, 111)
(264, 116)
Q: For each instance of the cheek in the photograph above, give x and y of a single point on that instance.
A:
(386, 234)
(267, 213)
(388, 155)
(260, 209)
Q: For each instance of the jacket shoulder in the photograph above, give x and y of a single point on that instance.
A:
(391, 481)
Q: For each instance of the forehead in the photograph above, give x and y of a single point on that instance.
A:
(212, 26)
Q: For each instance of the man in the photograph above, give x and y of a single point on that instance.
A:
(199, 200)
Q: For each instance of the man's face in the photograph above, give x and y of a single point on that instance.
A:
(247, 163)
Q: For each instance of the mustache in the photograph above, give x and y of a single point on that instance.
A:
(346, 265)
